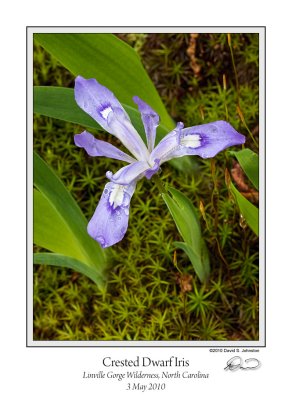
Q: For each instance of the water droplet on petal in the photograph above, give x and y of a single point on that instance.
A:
(126, 210)
(101, 240)
(105, 191)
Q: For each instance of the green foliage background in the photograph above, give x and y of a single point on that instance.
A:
(152, 293)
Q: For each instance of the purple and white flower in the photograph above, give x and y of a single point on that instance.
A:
(110, 219)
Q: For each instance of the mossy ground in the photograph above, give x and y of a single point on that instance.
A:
(147, 297)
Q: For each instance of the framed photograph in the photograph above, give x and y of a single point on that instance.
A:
(146, 155)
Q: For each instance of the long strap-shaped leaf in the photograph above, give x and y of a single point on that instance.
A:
(247, 209)
(108, 59)
(52, 232)
(60, 260)
(199, 261)
(63, 204)
(187, 221)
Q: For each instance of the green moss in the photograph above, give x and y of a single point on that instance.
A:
(143, 299)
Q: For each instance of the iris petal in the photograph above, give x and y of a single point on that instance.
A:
(109, 222)
(150, 121)
(127, 174)
(214, 137)
(96, 100)
(165, 148)
(123, 129)
(102, 105)
(96, 148)
(203, 140)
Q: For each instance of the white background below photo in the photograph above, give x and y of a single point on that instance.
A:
(57, 373)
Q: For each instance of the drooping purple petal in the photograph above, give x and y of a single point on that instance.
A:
(203, 140)
(102, 105)
(214, 137)
(96, 148)
(96, 100)
(109, 222)
(150, 121)
(127, 174)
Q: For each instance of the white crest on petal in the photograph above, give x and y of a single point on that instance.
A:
(192, 141)
(117, 195)
(105, 112)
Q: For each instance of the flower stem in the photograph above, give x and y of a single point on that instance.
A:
(159, 184)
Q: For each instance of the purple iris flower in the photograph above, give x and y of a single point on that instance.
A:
(110, 219)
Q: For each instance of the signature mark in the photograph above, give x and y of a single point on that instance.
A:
(236, 363)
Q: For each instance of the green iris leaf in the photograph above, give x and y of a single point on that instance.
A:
(59, 224)
(249, 212)
(187, 221)
(59, 260)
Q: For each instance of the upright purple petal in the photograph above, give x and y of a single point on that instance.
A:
(123, 129)
(102, 105)
(150, 121)
(96, 148)
(203, 140)
(109, 222)
(165, 148)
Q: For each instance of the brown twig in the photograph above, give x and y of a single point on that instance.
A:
(191, 52)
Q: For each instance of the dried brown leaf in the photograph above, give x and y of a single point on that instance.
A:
(240, 179)
(185, 282)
